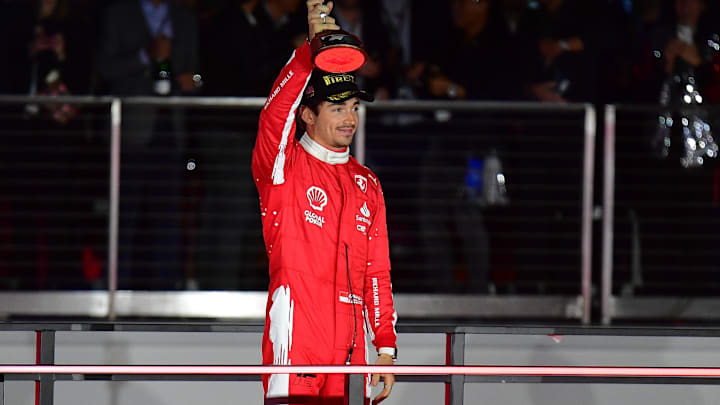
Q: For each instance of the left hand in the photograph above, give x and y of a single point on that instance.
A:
(388, 379)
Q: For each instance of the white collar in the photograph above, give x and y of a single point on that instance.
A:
(323, 153)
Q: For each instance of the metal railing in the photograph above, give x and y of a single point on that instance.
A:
(455, 374)
(114, 302)
(656, 282)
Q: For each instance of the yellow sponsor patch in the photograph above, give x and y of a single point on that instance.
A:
(339, 78)
(341, 96)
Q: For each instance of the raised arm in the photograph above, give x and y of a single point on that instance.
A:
(276, 128)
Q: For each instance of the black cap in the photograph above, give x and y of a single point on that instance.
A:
(333, 87)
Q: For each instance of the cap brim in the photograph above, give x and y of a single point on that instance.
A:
(346, 95)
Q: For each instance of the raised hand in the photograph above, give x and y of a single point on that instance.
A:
(316, 22)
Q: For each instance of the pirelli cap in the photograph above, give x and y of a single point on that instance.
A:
(333, 87)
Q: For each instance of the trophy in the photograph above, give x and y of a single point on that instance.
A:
(337, 51)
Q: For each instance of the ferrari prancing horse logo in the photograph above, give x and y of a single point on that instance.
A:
(361, 181)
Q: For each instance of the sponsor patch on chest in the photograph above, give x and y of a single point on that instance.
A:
(314, 218)
(347, 298)
(363, 219)
(317, 198)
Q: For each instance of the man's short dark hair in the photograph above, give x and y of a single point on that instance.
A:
(314, 106)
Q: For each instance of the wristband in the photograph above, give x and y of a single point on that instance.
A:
(390, 351)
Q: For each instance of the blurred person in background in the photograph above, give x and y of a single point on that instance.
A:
(481, 64)
(635, 72)
(661, 43)
(150, 48)
(45, 49)
(689, 45)
(565, 36)
(60, 50)
(363, 18)
(397, 17)
(225, 65)
(477, 59)
(686, 43)
(138, 38)
(685, 76)
(410, 43)
(232, 62)
(670, 48)
(51, 34)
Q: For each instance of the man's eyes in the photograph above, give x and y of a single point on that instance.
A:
(340, 109)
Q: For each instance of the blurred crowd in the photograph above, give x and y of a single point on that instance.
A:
(198, 227)
(548, 50)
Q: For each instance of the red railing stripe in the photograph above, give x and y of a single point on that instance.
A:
(398, 370)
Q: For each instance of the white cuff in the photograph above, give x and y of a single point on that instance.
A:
(390, 351)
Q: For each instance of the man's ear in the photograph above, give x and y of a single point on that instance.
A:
(307, 115)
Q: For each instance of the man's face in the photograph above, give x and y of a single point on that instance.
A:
(335, 124)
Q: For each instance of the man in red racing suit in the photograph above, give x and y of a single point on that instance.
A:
(325, 233)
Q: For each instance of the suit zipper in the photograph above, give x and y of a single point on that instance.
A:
(352, 302)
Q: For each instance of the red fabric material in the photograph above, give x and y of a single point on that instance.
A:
(309, 221)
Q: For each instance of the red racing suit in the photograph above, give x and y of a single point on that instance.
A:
(325, 233)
